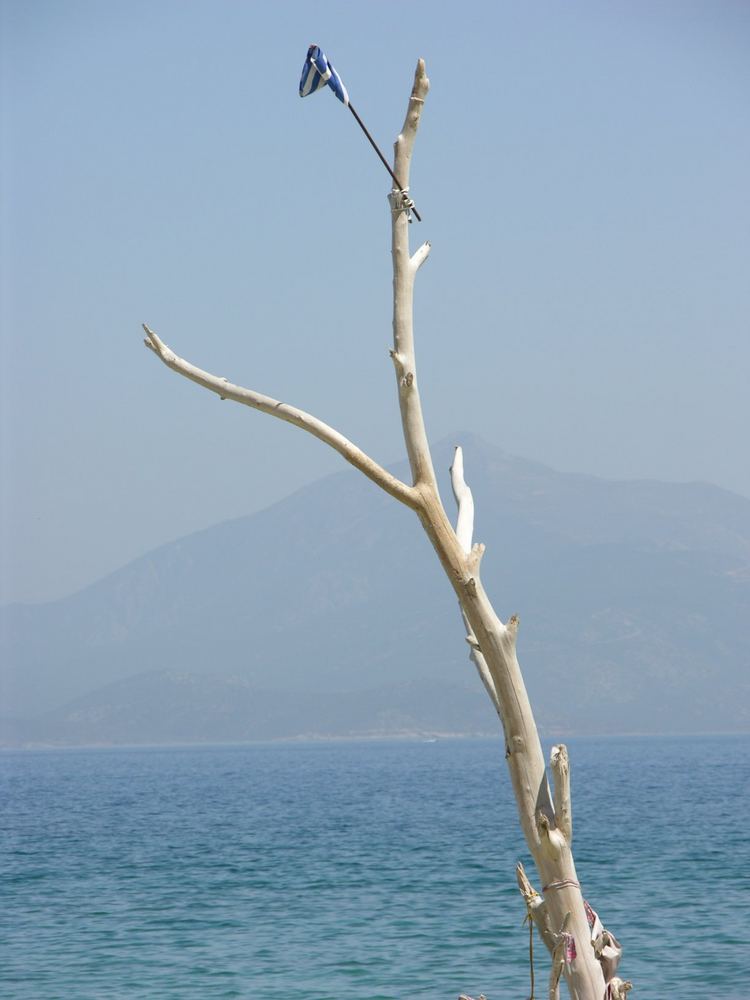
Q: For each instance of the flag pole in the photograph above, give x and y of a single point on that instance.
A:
(385, 162)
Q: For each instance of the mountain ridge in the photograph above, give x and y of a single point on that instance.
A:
(335, 590)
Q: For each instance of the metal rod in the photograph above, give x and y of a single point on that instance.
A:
(385, 162)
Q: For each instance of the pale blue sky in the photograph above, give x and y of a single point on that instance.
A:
(582, 172)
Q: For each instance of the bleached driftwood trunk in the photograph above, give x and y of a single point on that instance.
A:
(580, 949)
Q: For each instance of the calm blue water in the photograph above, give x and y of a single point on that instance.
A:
(358, 871)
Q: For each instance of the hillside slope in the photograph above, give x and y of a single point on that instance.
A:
(309, 616)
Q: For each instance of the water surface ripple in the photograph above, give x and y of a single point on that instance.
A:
(358, 871)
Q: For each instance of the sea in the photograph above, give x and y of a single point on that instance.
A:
(380, 870)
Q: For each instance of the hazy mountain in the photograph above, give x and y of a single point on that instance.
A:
(327, 613)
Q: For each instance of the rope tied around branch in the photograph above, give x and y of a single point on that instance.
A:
(529, 919)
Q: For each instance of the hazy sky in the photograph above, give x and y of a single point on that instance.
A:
(582, 171)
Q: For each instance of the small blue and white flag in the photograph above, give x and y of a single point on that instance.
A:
(317, 72)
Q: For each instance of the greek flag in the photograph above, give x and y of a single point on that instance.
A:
(317, 72)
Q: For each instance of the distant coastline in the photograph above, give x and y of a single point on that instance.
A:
(311, 739)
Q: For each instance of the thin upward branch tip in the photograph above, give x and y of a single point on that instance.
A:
(152, 341)
(560, 766)
(421, 80)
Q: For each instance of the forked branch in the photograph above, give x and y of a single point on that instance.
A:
(464, 534)
(291, 414)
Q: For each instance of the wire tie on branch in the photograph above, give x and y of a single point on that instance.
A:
(407, 204)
